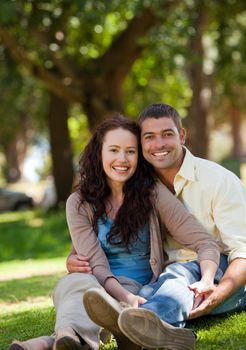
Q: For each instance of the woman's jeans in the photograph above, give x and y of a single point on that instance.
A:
(172, 300)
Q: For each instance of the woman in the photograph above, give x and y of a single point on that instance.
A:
(117, 218)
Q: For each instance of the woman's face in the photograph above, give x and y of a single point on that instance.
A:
(119, 155)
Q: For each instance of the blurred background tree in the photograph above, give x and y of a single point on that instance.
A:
(95, 57)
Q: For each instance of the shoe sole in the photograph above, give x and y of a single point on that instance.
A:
(104, 311)
(16, 347)
(163, 335)
(67, 343)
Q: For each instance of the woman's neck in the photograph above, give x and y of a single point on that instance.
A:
(115, 200)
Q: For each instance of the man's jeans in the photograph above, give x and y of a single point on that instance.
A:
(172, 300)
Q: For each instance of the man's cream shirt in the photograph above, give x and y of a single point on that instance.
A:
(217, 198)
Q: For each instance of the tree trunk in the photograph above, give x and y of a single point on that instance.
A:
(15, 150)
(12, 166)
(236, 124)
(103, 97)
(61, 151)
(197, 120)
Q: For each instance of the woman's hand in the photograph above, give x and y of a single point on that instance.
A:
(134, 300)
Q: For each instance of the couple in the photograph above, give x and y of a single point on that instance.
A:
(121, 204)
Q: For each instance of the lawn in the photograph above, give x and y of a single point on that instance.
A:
(32, 254)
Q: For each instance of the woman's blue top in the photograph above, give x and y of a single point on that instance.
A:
(132, 262)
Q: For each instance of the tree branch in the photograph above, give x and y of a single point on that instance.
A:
(45, 36)
(126, 49)
(62, 64)
(60, 87)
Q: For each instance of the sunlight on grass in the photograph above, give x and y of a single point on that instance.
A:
(17, 216)
(21, 306)
(22, 269)
(35, 287)
(225, 332)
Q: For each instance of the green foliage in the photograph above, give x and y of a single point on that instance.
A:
(79, 130)
(8, 13)
(21, 102)
(72, 36)
(33, 234)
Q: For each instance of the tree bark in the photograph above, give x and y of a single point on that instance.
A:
(61, 151)
(198, 111)
(236, 124)
(103, 97)
(15, 147)
(12, 165)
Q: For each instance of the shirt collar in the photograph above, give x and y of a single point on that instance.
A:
(187, 170)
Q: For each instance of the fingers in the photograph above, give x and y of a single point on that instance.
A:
(141, 301)
(202, 288)
(197, 301)
(78, 263)
(82, 258)
(201, 310)
(84, 269)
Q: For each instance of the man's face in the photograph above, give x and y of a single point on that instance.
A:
(162, 143)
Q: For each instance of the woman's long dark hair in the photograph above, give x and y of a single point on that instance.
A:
(137, 205)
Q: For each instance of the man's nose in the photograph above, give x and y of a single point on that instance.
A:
(159, 142)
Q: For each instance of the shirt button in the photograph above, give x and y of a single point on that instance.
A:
(153, 261)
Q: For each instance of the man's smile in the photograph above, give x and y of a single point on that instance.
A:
(160, 154)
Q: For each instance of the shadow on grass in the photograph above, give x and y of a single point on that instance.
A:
(33, 234)
(26, 288)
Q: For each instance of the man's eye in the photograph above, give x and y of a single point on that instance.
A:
(149, 137)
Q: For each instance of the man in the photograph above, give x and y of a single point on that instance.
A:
(214, 195)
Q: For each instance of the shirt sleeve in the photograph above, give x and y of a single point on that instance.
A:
(85, 240)
(229, 213)
(184, 227)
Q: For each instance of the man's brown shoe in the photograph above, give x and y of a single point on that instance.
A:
(146, 329)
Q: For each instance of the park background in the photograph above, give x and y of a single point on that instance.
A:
(65, 65)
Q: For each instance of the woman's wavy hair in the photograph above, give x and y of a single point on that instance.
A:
(137, 205)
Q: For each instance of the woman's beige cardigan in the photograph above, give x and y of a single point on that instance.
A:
(169, 216)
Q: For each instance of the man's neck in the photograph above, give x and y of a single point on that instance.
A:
(167, 176)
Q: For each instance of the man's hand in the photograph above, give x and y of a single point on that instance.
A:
(234, 277)
(78, 263)
(202, 291)
(206, 305)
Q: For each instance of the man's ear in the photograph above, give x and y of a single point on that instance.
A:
(182, 136)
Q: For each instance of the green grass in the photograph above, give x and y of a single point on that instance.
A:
(33, 250)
